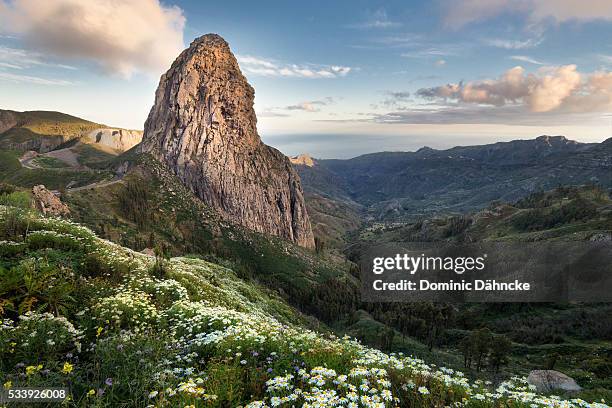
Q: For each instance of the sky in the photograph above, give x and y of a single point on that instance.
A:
(333, 79)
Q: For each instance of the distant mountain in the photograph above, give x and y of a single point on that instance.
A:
(400, 185)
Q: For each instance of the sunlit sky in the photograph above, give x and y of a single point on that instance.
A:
(334, 79)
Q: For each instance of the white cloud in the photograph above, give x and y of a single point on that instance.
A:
(524, 58)
(121, 36)
(311, 106)
(462, 12)
(264, 67)
(21, 59)
(513, 44)
(440, 63)
(11, 77)
(560, 88)
(377, 20)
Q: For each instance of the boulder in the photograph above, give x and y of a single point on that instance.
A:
(48, 203)
(550, 380)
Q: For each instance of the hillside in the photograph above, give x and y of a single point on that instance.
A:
(565, 213)
(190, 332)
(41, 131)
(407, 185)
(58, 150)
(575, 338)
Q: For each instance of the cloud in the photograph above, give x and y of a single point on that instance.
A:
(433, 52)
(120, 36)
(550, 88)
(22, 59)
(477, 114)
(513, 44)
(311, 106)
(462, 12)
(11, 77)
(440, 63)
(524, 58)
(605, 58)
(377, 20)
(268, 113)
(395, 98)
(264, 67)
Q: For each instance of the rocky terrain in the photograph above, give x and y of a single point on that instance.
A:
(113, 141)
(203, 127)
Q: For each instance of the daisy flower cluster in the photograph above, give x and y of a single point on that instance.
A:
(199, 336)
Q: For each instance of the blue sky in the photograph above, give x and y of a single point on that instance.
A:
(334, 79)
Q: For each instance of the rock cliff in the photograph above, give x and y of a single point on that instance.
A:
(112, 140)
(203, 127)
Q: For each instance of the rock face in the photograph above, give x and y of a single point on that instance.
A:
(8, 119)
(48, 203)
(112, 140)
(550, 380)
(302, 160)
(203, 127)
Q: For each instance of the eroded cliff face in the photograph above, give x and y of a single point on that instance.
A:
(203, 127)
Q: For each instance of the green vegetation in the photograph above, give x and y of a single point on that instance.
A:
(49, 162)
(578, 336)
(102, 321)
(43, 130)
(12, 172)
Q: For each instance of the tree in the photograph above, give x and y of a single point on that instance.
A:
(481, 341)
(499, 351)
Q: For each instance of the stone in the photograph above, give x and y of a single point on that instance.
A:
(550, 380)
(203, 128)
(48, 203)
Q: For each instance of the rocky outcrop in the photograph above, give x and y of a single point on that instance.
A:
(112, 140)
(48, 203)
(203, 127)
(8, 120)
(302, 160)
(550, 380)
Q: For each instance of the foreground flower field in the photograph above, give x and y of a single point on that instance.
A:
(121, 328)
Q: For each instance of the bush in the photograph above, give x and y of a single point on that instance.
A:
(38, 337)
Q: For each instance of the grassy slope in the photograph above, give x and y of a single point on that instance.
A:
(51, 175)
(185, 225)
(136, 330)
(46, 127)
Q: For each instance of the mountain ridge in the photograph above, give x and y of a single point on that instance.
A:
(396, 185)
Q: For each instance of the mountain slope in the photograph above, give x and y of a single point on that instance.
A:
(398, 185)
(41, 131)
(134, 329)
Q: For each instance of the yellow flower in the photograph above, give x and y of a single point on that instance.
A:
(99, 331)
(8, 385)
(91, 392)
(67, 368)
(30, 370)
